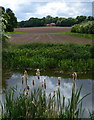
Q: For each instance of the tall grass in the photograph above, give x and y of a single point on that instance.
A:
(37, 104)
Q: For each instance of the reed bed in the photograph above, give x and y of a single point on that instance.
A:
(36, 104)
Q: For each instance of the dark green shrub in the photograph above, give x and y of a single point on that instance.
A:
(84, 27)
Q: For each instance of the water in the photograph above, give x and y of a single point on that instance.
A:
(65, 87)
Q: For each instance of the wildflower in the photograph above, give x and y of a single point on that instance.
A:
(59, 79)
(38, 73)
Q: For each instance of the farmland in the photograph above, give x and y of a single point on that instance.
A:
(48, 48)
(45, 35)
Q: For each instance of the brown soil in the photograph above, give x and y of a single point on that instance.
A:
(40, 35)
(43, 29)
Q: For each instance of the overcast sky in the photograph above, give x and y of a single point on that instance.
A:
(25, 9)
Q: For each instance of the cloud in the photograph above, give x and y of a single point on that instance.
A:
(59, 8)
(62, 9)
(38, 8)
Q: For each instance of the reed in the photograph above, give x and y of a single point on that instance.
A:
(36, 104)
(38, 73)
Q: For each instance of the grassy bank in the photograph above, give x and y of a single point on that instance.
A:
(67, 57)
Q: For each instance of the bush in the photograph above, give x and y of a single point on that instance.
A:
(84, 27)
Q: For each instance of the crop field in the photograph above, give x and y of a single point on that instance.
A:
(45, 35)
(43, 29)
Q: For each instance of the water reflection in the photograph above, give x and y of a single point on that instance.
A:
(52, 85)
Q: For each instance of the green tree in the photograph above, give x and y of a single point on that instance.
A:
(81, 19)
(12, 20)
(58, 23)
(49, 19)
(91, 18)
(4, 37)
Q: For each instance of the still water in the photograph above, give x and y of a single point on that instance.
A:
(65, 86)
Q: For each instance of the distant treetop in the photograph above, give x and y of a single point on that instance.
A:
(58, 21)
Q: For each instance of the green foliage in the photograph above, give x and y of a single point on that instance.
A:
(66, 22)
(59, 21)
(3, 36)
(91, 115)
(77, 65)
(10, 19)
(7, 23)
(84, 27)
(38, 105)
(49, 56)
(81, 19)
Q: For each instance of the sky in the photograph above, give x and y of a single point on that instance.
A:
(25, 9)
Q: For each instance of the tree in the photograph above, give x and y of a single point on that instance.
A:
(91, 18)
(58, 23)
(2, 9)
(12, 20)
(4, 37)
(80, 18)
(48, 19)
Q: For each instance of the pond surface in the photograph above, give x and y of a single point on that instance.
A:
(65, 86)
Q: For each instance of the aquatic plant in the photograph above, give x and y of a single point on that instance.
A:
(38, 73)
(59, 79)
(36, 104)
(66, 57)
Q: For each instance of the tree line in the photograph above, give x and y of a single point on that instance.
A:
(59, 21)
(10, 21)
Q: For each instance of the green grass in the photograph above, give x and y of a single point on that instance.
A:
(20, 33)
(66, 57)
(82, 35)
